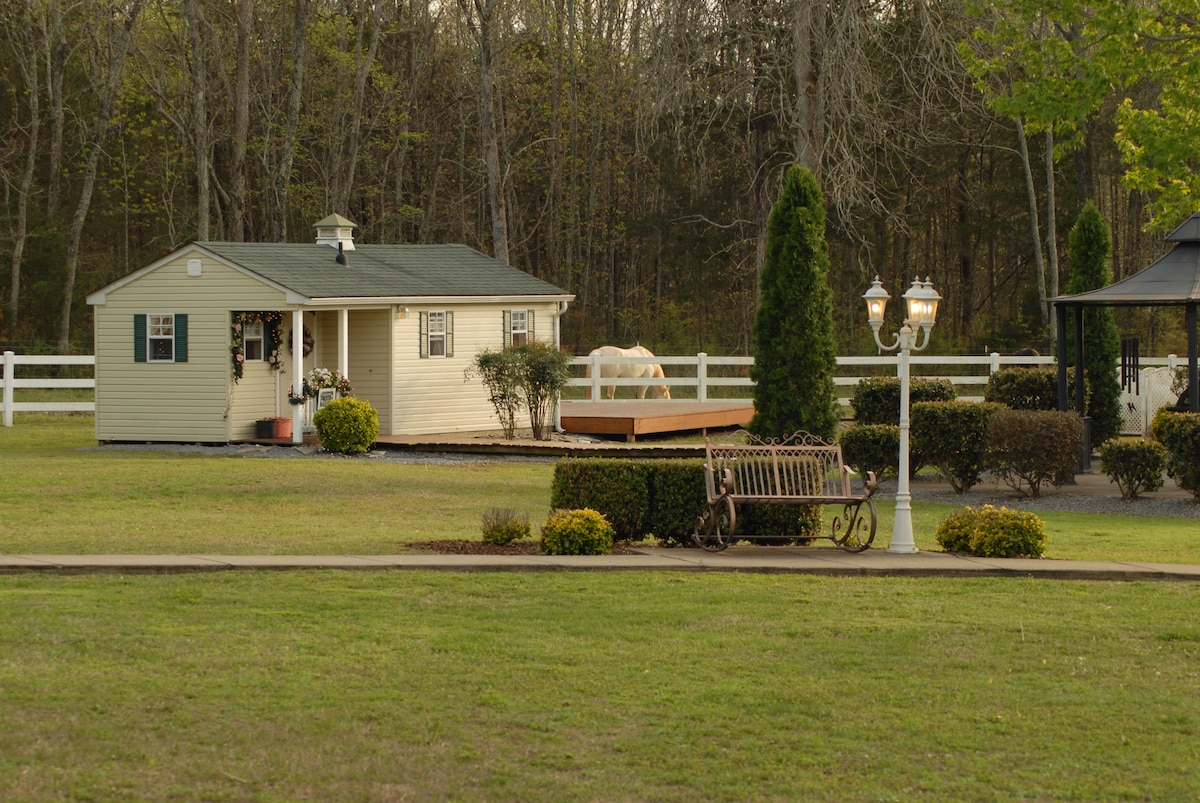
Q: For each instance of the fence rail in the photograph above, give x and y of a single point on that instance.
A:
(703, 372)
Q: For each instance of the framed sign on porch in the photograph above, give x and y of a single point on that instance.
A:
(325, 396)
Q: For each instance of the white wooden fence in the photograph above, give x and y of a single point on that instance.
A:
(702, 372)
(10, 381)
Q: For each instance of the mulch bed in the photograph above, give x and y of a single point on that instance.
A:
(464, 547)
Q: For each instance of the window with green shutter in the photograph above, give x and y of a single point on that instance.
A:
(160, 337)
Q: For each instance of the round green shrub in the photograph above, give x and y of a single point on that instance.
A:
(954, 531)
(1134, 465)
(872, 447)
(347, 426)
(502, 527)
(577, 532)
(876, 400)
(992, 532)
(1179, 433)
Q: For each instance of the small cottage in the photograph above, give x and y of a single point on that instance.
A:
(214, 338)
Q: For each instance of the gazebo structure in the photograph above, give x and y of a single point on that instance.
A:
(1170, 281)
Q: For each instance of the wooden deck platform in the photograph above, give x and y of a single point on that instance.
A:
(652, 416)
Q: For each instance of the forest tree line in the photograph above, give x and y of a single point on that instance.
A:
(628, 151)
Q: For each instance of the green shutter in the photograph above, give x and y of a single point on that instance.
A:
(181, 335)
(529, 325)
(506, 322)
(139, 337)
(449, 334)
(423, 335)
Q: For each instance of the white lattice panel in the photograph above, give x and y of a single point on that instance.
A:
(1153, 393)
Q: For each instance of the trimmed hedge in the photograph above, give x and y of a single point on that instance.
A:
(1135, 466)
(877, 400)
(1028, 448)
(1029, 388)
(953, 436)
(662, 498)
(872, 447)
(1179, 433)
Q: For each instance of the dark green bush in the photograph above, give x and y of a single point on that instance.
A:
(993, 533)
(1179, 433)
(1028, 388)
(802, 522)
(660, 497)
(953, 435)
(576, 532)
(347, 426)
(872, 447)
(1028, 448)
(1135, 466)
(877, 400)
(503, 526)
(619, 489)
(676, 499)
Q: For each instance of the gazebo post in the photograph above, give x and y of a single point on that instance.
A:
(1061, 347)
(1085, 452)
(1193, 385)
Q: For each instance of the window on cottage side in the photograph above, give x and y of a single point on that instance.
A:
(437, 334)
(519, 328)
(160, 334)
(252, 340)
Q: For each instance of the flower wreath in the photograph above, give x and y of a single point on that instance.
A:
(237, 342)
(308, 341)
(316, 379)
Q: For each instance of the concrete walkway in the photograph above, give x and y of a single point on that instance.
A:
(799, 560)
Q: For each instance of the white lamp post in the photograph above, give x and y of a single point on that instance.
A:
(922, 301)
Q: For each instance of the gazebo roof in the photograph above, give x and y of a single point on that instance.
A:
(1172, 279)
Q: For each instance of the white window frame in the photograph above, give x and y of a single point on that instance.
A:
(437, 335)
(518, 330)
(253, 332)
(160, 328)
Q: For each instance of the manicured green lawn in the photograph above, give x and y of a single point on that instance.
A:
(551, 686)
(595, 686)
(62, 495)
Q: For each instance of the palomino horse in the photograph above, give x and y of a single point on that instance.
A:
(630, 370)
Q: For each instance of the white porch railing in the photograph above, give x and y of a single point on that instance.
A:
(702, 372)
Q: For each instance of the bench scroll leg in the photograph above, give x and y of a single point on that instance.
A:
(714, 529)
(854, 530)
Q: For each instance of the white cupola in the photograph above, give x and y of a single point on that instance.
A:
(336, 232)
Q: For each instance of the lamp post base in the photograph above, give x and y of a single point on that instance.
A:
(902, 529)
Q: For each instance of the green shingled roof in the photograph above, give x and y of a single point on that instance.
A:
(382, 270)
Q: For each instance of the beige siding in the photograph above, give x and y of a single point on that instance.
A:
(173, 401)
(432, 394)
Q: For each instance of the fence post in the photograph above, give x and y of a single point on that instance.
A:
(595, 377)
(9, 370)
(995, 366)
(702, 377)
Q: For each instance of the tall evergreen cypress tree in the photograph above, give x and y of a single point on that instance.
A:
(794, 349)
(1090, 246)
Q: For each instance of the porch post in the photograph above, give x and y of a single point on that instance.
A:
(297, 374)
(344, 342)
(1193, 384)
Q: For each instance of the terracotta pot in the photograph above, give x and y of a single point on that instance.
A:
(283, 427)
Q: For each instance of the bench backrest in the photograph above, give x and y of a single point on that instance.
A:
(778, 470)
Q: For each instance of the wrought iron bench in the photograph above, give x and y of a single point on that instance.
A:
(800, 470)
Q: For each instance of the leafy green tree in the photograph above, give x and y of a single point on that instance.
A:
(1090, 246)
(794, 353)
